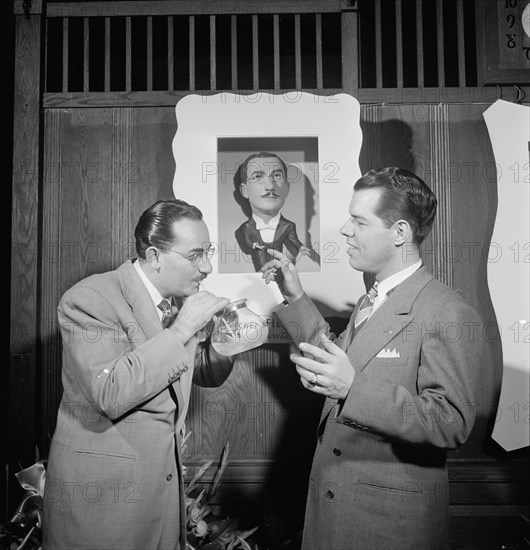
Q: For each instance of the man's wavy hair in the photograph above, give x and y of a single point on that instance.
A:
(155, 226)
(404, 196)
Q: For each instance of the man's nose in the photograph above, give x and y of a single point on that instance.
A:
(347, 229)
(269, 182)
(205, 266)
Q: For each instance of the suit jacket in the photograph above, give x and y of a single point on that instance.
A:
(285, 234)
(113, 478)
(379, 478)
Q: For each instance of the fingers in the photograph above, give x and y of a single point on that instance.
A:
(276, 254)
(316, 352)
(306, 363)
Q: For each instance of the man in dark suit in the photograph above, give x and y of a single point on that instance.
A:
(401, 382)
(262, 180)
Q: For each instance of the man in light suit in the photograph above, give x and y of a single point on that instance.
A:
(400, 387)
(262, 180)
(114, 478)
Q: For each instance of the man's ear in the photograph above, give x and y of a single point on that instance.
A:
(152, 255)
(403, 232)
(243, 190)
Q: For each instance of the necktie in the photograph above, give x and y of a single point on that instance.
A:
(366, 305)
(165, 307)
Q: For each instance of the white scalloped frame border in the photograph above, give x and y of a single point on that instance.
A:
(335, 121)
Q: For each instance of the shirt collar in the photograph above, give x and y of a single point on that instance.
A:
(386, 285)
(153, 292)
(260, 224)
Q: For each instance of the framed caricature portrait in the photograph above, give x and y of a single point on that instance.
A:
(272, 168)
(287, 186)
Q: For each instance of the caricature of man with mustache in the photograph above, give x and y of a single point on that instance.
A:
(263, 182)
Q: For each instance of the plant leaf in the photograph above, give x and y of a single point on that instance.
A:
(219, 472)
(191, 484)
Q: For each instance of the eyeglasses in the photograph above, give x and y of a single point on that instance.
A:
(197, 257)
(260, 177)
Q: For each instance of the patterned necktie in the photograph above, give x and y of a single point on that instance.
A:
(165, 307)
(366, 305)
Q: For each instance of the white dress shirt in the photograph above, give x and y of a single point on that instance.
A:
(153, 292)
(267, 230)
(386, 285)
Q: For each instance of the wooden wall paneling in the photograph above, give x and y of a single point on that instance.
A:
(269, 421)
(93, 194)
(77, 228)
(437, 178)
(123, 170)
(51, 287)
(22, 372)
(473, 179)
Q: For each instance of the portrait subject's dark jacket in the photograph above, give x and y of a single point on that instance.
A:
(247, 235)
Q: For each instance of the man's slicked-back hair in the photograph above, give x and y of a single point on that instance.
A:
(404, 196)
(155, 226)
(241, 173)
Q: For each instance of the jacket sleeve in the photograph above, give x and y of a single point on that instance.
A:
(105, 358)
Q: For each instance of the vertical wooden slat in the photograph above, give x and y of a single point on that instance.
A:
(233, 52)
(192, 51)
(170, 59)
(297, 52)
(440, 174)
(350, 51)
(52, 194)
(255, 53)
(378, 46)
(149, 45)
(318, 39)
(65, 55)
(128, 81)
(419, 43)
(25, 247)
(213, 60)
(107, 54)
(276, 49)
(121, 152)
(461, 43)
(399, 45)
(440, 43)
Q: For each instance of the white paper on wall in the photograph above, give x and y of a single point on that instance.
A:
(509, 268)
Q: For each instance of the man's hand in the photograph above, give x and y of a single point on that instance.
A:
(197, 311)
(332, 369)
(290, 286)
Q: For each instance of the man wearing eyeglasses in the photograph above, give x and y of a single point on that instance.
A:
(134, 340)
(262, 180)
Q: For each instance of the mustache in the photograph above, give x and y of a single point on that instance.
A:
(270, 194)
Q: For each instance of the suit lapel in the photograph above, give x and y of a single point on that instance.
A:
(144, 311)
(138, 298)
(281, 229)
(387, 321)
(251, 225)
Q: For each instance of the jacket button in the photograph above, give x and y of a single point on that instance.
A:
(337, 452)
(330, 493)
(169, 477)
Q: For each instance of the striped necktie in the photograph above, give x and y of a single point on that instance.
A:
(367, 304)
(165, 307)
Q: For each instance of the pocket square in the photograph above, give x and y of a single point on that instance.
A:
(386, 353)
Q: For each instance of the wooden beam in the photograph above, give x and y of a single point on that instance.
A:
(185, 7)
